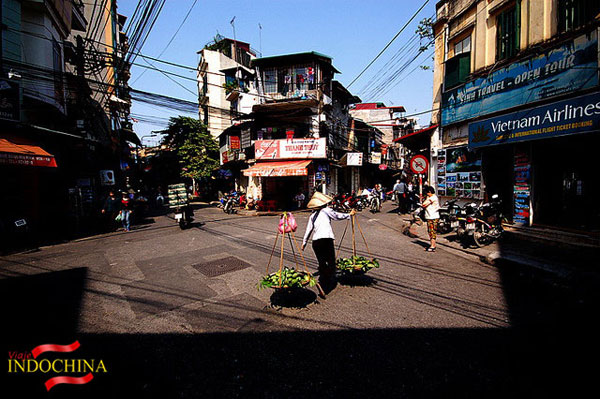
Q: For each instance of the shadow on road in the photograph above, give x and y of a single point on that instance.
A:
(546, 350)
(293, 298)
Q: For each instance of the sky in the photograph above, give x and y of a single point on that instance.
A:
(351, 32)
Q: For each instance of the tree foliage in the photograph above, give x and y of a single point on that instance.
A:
(197, 151)
(425, 33)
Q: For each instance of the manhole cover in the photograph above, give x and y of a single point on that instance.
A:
(221, 266)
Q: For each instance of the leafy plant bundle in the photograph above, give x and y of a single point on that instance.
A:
(356, 264)
(290, 278)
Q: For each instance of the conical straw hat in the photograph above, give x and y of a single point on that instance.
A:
(319, 199)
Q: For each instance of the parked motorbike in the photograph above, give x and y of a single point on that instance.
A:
(448, 217)
(339, 204)
(362, 202)
(481, 225)
(229, 203)
(466, 223)
(488, 222)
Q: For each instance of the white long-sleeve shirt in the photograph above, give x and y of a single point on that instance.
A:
(321, 226)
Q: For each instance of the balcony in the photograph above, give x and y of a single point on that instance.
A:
(291, 91)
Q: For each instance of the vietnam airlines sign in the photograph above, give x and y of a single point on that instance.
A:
(572, 116)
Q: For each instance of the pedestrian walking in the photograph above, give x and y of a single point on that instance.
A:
(319, 225)
(432, 215)
(401, 190)
(126, 210)
(110, 209)
(299, 199)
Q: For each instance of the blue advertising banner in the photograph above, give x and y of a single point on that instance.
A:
(575, 115)
(571, 67)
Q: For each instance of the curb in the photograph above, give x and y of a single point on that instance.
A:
(495, 257)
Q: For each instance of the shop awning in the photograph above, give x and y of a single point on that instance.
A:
(16, 151)
(417, 134)
(278, 169)
(130, 136)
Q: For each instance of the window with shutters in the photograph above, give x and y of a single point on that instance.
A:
(458, 69)
(508, 24)
(573, 14)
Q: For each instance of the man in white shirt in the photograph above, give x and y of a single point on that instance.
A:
(299, 198)
(319, 225)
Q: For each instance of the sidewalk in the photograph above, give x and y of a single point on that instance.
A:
(557, 255)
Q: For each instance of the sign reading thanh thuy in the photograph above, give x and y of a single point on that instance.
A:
(290, 149)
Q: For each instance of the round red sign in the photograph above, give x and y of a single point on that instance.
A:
(419, 164)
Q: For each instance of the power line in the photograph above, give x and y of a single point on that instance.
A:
(388, 45)
(172, 37)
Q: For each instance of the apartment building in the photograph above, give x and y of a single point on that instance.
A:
(516, 98)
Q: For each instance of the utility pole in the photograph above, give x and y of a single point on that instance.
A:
(235, 56)
(260, 38)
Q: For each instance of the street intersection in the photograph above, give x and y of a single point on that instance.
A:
(147, 291)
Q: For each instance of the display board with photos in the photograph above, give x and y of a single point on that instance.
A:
(522, 188)
(459, 173)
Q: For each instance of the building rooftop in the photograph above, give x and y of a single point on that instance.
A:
(363, 106)
(295, 57)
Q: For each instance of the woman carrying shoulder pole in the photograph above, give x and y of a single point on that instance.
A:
(319, 225)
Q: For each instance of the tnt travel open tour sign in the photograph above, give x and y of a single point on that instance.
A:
(575, 115)
(570, 67)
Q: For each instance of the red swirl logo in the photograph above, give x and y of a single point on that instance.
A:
(29, 362)
(38, 350)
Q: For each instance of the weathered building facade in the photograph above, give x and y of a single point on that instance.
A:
(516, 96)
(60, 125)
(299, 134)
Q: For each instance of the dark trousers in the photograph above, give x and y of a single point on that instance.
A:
(325, 253)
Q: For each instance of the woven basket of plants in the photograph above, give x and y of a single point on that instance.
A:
(356, 264)
(287, 278)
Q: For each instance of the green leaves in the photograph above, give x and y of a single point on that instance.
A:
(197, 151)
(290, 278)
(356, 264)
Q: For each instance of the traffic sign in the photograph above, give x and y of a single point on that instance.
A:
(419, 164)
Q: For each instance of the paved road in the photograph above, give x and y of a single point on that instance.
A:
(178, 313)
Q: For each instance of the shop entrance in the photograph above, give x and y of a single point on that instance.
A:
(284, 189)
(565, 182)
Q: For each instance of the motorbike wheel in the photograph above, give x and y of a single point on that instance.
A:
(481, 237)
(444, 227)
(182, 224)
